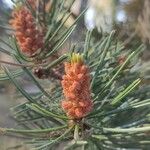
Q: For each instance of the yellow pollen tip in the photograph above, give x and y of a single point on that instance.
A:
(18, 6)
(76, 58)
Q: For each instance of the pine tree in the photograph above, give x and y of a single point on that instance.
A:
(88, 97)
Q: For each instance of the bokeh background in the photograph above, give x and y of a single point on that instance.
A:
(130, 19)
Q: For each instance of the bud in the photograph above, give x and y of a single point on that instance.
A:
(76, 88)
(121, 59)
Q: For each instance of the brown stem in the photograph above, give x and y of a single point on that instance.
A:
(55, 74)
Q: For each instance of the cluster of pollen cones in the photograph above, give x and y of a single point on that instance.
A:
(76, 81)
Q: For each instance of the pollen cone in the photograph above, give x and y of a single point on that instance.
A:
(29, 38)
(76, 88)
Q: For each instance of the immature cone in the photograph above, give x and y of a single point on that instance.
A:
(76, 88)
(29, 38)
(32, 3)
